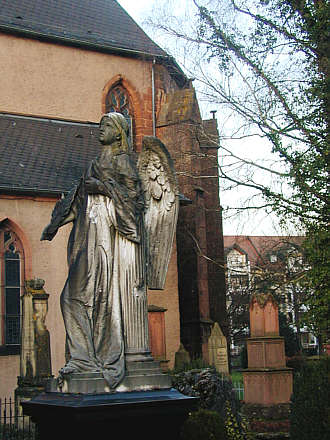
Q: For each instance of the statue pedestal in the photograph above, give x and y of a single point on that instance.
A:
(145, 414)
(140, 376)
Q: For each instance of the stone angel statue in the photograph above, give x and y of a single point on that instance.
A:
(124, 219)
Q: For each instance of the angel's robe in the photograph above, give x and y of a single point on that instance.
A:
(106, 281)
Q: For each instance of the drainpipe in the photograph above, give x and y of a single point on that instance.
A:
(153, 97)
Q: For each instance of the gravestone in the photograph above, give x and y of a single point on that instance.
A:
(182, 358)
(267, 381)
(218, 352)
(35, 358)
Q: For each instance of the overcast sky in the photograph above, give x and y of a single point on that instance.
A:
(137, 9)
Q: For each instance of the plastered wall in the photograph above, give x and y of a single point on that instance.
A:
(46, 260)
(55, 81)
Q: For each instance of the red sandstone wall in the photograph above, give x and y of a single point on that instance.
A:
(199, 234)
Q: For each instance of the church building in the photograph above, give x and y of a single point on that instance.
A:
(64, 64)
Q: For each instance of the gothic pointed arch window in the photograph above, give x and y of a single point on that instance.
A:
(12, 281)
(118, 100)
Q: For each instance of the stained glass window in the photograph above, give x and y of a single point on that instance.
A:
(118, 100)
(11, 266)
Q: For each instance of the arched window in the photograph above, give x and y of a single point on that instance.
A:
(12, 281)
(118, 100)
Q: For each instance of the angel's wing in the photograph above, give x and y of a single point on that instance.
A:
(162, 205)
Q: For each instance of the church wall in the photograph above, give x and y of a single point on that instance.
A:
(169, 300)
(215, 249)
(9, 367)
(56, 81)
(193, 275)
(48, 261)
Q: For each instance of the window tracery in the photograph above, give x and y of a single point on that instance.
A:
(118, 100)
(12, 280)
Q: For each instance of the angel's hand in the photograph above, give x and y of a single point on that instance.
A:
(48, 233)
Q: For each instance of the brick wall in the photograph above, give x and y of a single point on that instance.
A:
(199, 233)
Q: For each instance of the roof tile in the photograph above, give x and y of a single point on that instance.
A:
(44, 155)
(101, 22)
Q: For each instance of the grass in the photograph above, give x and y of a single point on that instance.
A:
(236, 376)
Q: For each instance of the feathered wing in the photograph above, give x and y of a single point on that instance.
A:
(161, 207)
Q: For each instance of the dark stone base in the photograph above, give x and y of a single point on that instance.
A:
(145, 414)
(267, 412)
(26, 390)
(268, 422)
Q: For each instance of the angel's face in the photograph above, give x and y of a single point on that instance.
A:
(108, 132)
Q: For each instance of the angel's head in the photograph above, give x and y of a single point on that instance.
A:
(114, 129)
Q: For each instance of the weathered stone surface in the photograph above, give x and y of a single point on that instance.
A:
(218, 352)
(35, 360)
(179, 106)
(266, 352)
(140, 376)
(268, 387)
(182, 358)
(263, 316)
(266, 381)
(124, 219)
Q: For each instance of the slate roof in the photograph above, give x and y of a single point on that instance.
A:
(44, 156)
(90, 23)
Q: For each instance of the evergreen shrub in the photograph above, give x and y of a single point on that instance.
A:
(310, 408)
(204, 425)
(215, 394)
(290, 337)
(194, 364)
(296, 363)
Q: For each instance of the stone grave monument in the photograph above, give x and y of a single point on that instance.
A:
(267, 381)
(124, 218)
(218, 352)
(35, 358)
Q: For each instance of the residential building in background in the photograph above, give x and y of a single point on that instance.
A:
(265, 264)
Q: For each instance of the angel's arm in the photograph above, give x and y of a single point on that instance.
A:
(65, 211)
(51, 229)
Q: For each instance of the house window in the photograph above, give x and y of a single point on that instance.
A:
(11, 274)
(239, 281)
(117, 100)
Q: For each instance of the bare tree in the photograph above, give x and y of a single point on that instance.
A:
(264, 64)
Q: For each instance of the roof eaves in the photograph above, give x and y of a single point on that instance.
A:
(31, 191)
(78, 42)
